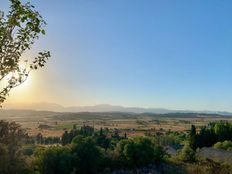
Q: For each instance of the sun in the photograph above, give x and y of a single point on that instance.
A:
(17, 78)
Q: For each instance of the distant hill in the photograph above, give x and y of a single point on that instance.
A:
(26, 115)
(8, 113)
(102, 108)
(113, 108)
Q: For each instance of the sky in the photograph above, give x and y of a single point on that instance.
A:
(161, 54)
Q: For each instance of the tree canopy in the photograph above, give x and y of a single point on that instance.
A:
(19, 28)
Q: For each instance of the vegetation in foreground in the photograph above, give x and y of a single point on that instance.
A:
(88, 151)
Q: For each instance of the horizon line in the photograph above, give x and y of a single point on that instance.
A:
(18, 105)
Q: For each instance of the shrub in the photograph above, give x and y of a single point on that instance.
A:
(187, 154)
(225, 145)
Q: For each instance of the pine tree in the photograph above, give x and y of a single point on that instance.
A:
(192, 140)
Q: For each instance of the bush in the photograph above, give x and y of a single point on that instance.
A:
(87, 155)
(138, 152)
(226, 145)
(187, 154)
(54, 160)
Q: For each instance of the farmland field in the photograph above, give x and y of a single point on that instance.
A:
(54, 123)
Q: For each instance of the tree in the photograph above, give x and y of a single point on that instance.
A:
(54, 160)
(65, 138)
(138, 152)
(4, 159)
(11, 138)
(39, 138)
(144, 153)
(226, 145)
(18, 31)
(87, 155)
(187, 154)
(223, 131)
(103, 141)
(159, 154)
(87, 130)
(192, 140)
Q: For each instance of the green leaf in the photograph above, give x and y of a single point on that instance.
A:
(43, 32)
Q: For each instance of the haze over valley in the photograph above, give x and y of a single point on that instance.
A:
(43, 106)
(115, 87)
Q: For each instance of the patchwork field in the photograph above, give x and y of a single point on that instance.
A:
(54, 123)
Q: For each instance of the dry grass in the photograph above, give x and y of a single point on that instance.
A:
(132, 125)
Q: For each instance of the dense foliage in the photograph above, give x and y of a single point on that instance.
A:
(19, 29)
(225, 145)
(211, 134)
(88, 151)
(86, 155)
(11, 140)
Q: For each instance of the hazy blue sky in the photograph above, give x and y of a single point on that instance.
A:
(173, 54)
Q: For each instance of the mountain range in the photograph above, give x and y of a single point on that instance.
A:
(100, 108)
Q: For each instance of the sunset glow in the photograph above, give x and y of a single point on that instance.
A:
(159, 54)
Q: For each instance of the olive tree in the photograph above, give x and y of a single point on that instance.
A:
(19, 28)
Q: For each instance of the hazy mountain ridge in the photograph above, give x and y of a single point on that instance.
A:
(7, 113)
(102, 108)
